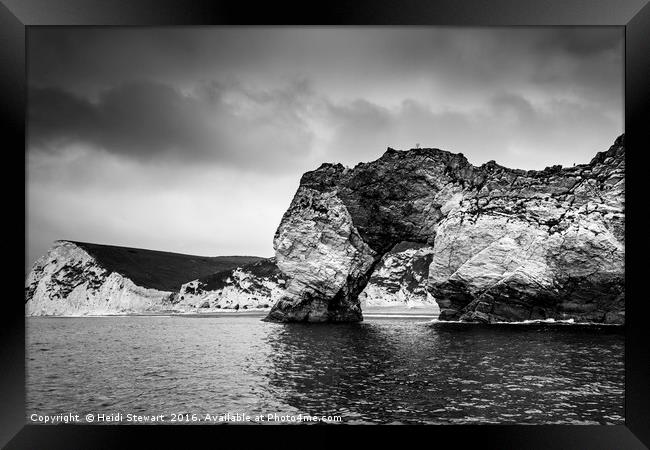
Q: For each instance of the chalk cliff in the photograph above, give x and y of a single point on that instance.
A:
(400, 278)
(253, 286)
(507, 244)
(69, 281)
(76, 278)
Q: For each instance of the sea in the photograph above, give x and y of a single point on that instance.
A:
(234, 368)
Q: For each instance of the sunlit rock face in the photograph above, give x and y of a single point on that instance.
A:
(400, 278)
(318, 246)
(507, 244)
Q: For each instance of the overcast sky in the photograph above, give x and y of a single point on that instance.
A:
(193, 140)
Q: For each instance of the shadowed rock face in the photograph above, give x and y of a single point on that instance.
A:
(508, 245)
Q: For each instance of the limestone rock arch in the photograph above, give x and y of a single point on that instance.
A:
(508, 244)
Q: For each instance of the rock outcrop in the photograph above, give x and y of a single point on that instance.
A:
(253, 286)
(508, 245)
(400, 278)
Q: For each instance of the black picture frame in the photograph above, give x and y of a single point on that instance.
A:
(633, 15)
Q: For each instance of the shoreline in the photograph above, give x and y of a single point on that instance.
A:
(569, 323)
(421, 311)
(375, 313)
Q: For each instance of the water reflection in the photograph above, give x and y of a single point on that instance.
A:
(339, 369)
(409, 372)
(380, 371)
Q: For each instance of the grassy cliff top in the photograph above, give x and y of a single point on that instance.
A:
(160, 270)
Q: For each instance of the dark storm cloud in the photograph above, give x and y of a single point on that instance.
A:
(148, 117)
(152, 121)
(224, 95)
(89, 54)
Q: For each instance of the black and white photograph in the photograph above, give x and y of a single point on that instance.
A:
(299, 225)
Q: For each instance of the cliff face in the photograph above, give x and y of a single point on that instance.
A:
(90, 279)
(69, 280)
(253, 286)
(507, 245)
(400, 278)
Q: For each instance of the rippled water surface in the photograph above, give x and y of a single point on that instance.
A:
(380, 371)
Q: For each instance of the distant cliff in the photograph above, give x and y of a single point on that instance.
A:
(506, 244)
(76, 278)
(400, 278)
(253, 286)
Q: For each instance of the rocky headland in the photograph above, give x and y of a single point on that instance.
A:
(501, 244)
(77, 278)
